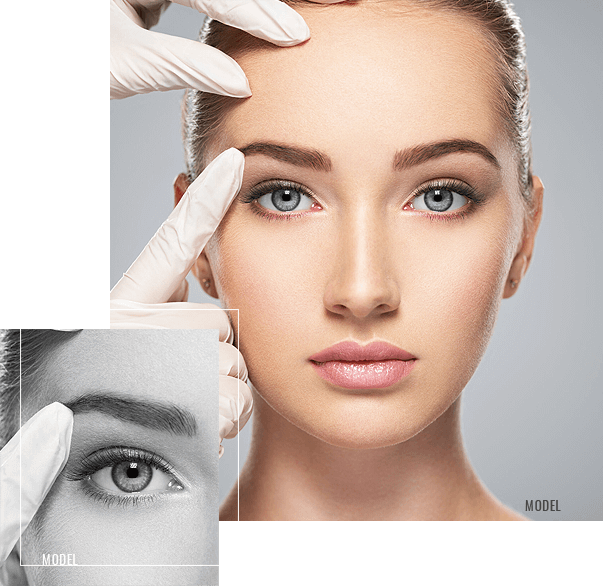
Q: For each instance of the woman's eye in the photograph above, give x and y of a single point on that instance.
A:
(439, 200)
(134, 476)
(285, 200)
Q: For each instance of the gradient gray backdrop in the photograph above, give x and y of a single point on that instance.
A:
(532, 414)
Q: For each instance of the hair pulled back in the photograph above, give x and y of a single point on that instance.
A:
(203, 113)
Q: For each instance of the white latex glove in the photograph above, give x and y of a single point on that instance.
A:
(36, 455)
(153, 291)
(142, 61)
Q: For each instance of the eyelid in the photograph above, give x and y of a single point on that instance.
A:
(264, 187)
(113, 455)
(269, 185)
(453, 185)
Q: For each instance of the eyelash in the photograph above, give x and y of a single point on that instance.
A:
(474, 197)
(110, 457)
(273, 185)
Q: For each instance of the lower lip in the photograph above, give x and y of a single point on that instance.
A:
(364, 375)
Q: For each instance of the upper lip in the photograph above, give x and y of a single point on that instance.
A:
(350, 351)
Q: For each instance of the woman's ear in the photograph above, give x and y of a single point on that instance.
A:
(522, 259)
(201, 268)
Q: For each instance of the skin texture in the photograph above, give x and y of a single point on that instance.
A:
(179, 528)
(363, 267)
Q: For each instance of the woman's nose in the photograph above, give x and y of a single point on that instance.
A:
(362, 283)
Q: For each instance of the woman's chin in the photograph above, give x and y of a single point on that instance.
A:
(361, 431)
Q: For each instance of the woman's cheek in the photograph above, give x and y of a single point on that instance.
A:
(72, 524)
(271, 272)
(456, 296)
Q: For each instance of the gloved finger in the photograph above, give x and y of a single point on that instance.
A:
(271, 20)
(11, 572)
(181, 294)
(143, 61)
(236, 404)
(37, 454)
(170, 254)
(182, 316)
(232, 362)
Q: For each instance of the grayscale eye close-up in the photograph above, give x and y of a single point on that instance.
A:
(125, 438)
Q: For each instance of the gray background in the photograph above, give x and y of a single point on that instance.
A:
(532, 413)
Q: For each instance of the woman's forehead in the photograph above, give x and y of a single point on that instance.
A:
(180, 366)
(372, 78)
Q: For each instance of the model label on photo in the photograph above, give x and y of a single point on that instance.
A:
(542, 505)
(58, 559)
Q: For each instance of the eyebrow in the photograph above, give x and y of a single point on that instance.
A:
(426, 152)
(403, 159)
(301, 157)
(159, 416)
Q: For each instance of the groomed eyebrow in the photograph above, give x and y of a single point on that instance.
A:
(298, 156)
(403, 159)
(425, 152)
(155, 415)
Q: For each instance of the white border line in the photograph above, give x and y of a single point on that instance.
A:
(21, 467)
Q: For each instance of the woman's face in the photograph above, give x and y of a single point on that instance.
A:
(140, 485)
(358, 258)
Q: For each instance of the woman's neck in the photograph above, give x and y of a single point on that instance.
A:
(291, 475)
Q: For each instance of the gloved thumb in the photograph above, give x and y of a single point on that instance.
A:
(36, 454)
(142, 61)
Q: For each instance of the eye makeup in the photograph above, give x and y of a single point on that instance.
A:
(441, 190)
(282, 198)
(121, 475)
(286, 195)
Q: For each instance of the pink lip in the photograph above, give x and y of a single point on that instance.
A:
(375, 366)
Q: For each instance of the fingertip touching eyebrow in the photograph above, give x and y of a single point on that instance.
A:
(159, 416)
(403, 159)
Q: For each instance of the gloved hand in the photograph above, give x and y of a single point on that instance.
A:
(37, 456)
(153, 291)
(142, 61)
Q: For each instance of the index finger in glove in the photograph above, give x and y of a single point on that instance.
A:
(142, 61)
(171, 253)
(271, 20)
(37, 455)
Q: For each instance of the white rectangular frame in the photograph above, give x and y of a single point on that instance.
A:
(123, 565)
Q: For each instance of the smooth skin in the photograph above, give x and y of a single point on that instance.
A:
(365, 267)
